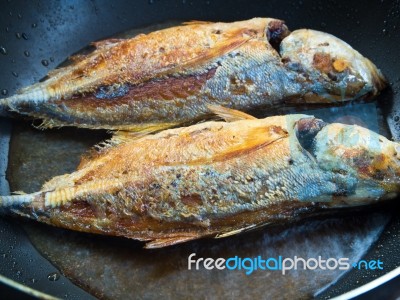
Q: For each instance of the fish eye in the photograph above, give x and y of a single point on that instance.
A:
(276, 32)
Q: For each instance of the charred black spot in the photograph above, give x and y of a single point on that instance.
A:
(155, 186)
(306, 130)
(340, 171)
(332, 76)
(112, 91)
(379, 175)
(276, 32)
(341, 192)
(291, 161)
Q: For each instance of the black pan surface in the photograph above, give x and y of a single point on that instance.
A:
(35, 36)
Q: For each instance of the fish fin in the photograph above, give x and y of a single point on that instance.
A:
(164, 242)
(196, 22)
(135, 133)
(229, 114)
(120, 137)
(232, 42)
(19, 193)
(74, 59)
(240, 230)
(105, 43)
(83, 54)
(47, 124)
(80, 56)
(234, 232)
(57, 71)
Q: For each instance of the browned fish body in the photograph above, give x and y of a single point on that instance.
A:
(168, 77)
(217, 179)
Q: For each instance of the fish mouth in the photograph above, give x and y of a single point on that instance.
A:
(366, 192)
(378, 79)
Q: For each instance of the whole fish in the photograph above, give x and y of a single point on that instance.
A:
(217, 179)
(168, 77)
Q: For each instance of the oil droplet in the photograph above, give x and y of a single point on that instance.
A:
(3, 50)
(18, 273)
(26, 53)
(53, 276)
(52, 59)
(151, 1)
(4, 92)
(15, 74)
(7, 29)
(18, 35)
(385, 31)
(34, 25)
(33, 280)
(24, 36)
(19, 16)
(45, 62)
(4, 255)
(396, 118)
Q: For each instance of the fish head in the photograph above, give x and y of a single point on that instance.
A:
(334, 70)
(365, 164)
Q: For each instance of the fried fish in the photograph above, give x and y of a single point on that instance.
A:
(217, 179)
(168, 77)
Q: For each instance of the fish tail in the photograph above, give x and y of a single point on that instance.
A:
(16, 200)
(34, 95)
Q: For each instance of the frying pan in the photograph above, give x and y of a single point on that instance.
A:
(35, 36)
